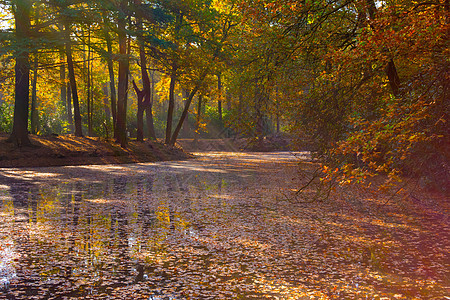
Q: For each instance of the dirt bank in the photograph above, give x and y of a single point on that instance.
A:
(70, 150)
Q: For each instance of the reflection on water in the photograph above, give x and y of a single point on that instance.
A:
(203, 229)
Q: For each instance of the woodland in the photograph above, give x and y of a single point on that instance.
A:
(357, 90)
(364, 83)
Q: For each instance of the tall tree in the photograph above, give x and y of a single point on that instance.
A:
(34, 115)
(174, 68)
(144, 97)
(72, 81)
(198, 119)
(63, 91)
(214, 37)
(89, 100)
(109, 60)
(219, 97)
(123, 75)
(19, 135)
(170, 109)
(140, 112)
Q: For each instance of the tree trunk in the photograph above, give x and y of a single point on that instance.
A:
(185, 127)
(144, 101)
(112, 85)
(260, 97)
(150, 126)
(19, 134)
(183, 115)
(178, 24)
(140, 113)
(140, 123)
(240, 104)
(171, 106)
(123, 79)
(69, 108)
(73, 84)
(200, 80)
(394, 79)
(149, 112)
(88, 86)
(197, 121)
(277, 103)
(63, 86)
(219, 100)
(105, 103)
(34, 113)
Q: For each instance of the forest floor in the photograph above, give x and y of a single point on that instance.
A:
(68, 150)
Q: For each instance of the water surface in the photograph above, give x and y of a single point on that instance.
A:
(217, 227)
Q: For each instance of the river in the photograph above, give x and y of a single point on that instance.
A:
(221, 226)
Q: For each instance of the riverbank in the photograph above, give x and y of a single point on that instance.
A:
(68, 150)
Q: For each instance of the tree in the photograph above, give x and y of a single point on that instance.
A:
(19, 133)
(214, 39)
(34, 117)
(110, 64)
(72, 81)
(219, 99)
(144, 96)
(123, 75)
(342, 62)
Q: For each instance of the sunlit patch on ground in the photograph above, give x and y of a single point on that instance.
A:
(222, 226)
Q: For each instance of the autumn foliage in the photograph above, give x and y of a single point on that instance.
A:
(367, 81)
(405, 133)
(364, 81)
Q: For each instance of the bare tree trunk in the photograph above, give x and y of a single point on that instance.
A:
(278, 122)
(140, 112)
(140, 123)
(171, 105)
(19, 134)
(34, 113)
(394, 79)
(34, 116)
(69, 108)
(197, 121)
(123, 79)
(185, 127)
(260, 96)
(105, 103)
(150, 126)
(149, 111)
(63, 86)
(112, 88)
(173, 77)
(112, 84)
(277, 103)
(144, 101)
(73, 84)
(219, 100)
(184, 114)
(240, 104)
(88, 86)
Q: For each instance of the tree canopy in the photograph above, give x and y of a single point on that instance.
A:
(366, 82)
